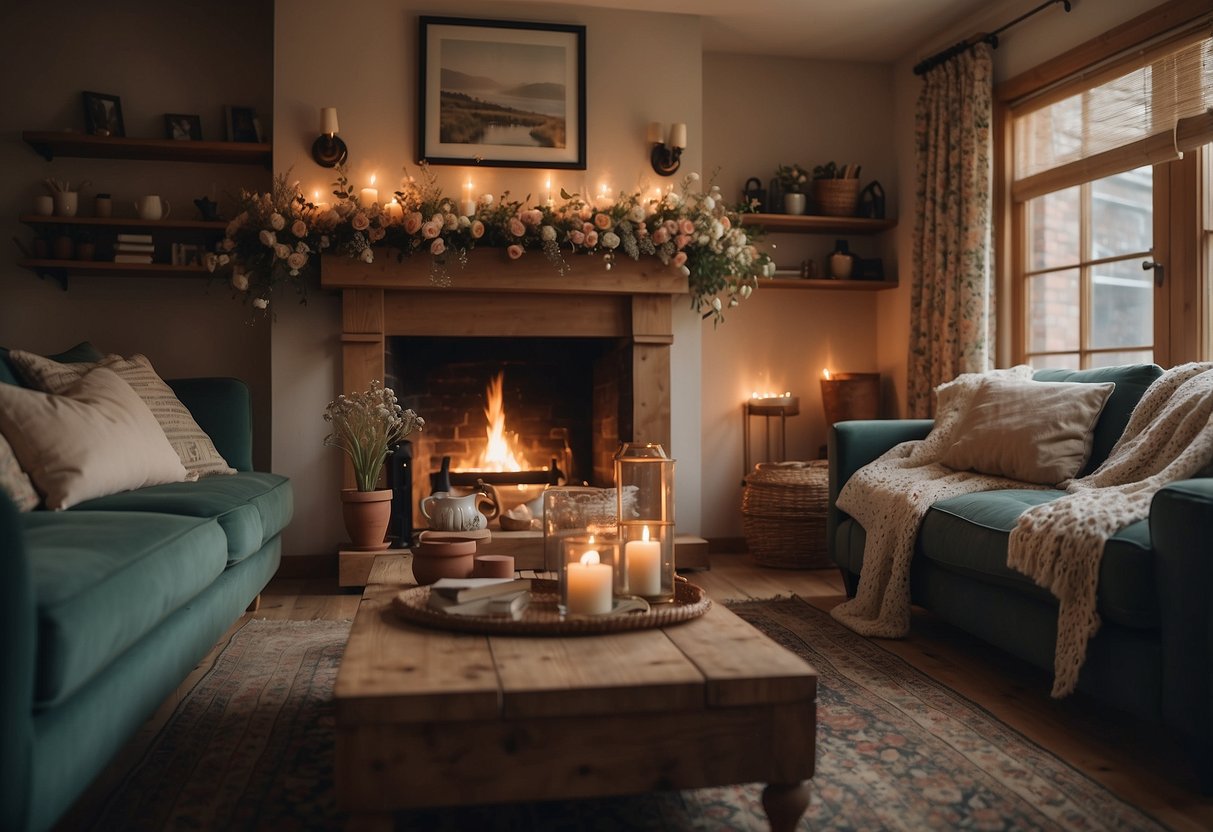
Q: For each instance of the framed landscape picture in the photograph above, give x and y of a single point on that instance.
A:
(501, 94)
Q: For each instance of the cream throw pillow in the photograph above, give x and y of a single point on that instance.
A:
(1031, 431)
(13, 481)
(97, 438)
(193, 446)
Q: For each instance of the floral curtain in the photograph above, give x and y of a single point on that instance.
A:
(952, 293)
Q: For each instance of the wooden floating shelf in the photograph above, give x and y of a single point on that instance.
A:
(61, 270)
(50, 143)
(120, 222)
(778, 282)
(806, 224)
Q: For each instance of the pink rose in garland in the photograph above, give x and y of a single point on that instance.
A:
(514, 251)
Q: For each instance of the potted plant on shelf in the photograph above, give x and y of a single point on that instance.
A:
(836, 189)
(367, 426)
(792, 180)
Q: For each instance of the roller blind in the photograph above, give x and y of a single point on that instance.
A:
(1144, 111)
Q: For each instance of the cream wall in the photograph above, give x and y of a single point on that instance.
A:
(1025, 46)
(760, 112)
(640, 68)
(158, 58)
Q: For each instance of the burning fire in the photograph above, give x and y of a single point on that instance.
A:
(499, 449)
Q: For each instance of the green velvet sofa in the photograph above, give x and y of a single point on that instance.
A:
(1153, 654)
(106, 607)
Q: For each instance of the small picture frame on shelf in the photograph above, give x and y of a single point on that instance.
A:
(185, 254)
(183, 127)
(242, 124)
(103, 114)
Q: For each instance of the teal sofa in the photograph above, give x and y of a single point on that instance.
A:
(106, 607)
(1153, 654)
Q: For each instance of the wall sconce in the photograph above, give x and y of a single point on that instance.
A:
(667, 154)
(328, 150)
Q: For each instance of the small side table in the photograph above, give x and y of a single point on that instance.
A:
(781, 406)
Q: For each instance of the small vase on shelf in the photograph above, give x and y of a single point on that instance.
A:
(793, 203)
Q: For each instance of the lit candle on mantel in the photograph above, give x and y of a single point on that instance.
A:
(320, 206)
(644, 565)
(395, 211)
(469, 202)
(590, 584)
(369, 196)
(548, 185)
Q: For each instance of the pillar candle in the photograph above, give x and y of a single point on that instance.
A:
(589, 586)
(395, 211)
(644, 565)
(369, 196)
(469, 202)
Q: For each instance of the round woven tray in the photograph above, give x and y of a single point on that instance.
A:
(542, 618)
(783, 514)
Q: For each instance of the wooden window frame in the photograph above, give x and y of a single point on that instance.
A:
(1181, 308)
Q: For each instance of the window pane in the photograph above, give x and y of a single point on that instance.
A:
(1122, 213)
(1066, 361)
(1053, 227)
(1112, 359)
(1053, 302)
(1122, 305)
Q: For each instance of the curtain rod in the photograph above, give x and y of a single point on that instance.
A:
(991, 38)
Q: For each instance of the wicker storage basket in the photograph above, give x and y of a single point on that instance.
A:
(836, 197)
(783, 514)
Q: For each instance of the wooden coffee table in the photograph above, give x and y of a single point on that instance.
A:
(433, 718)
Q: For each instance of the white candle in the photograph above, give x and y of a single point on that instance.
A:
(468, 208)
(395, 211)
(369, 196)
(644, 565)
(549, 187)
(678, 135)
(589, 585)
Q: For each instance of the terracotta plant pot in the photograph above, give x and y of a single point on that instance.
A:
(366, 515)
(448, 558)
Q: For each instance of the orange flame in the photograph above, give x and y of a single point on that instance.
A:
(499, 450)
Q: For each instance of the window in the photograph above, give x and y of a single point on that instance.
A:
(1099, 206)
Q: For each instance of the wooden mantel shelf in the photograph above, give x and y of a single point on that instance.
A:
(489, 270)
(50, 143)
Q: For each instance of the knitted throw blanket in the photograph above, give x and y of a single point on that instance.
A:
(890, 496)
(1058, 544)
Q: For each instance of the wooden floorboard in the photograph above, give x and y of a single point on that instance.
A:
(1134, 760)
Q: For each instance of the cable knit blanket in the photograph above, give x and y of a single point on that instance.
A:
(1058, 544)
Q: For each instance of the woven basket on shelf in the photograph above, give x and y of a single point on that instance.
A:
(783, 514)
(836, 197)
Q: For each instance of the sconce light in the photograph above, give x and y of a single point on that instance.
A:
(667, 154)
(328, 150)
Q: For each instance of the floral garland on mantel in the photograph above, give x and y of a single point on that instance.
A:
(277, 236)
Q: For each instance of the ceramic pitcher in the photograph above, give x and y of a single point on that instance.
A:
(152, 207)
(453, 513)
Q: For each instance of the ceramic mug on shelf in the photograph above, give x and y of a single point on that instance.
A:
(44, 205)
(66, 203)
(152, 207)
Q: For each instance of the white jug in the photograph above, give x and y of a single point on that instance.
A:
(451, 513)
(152, 207)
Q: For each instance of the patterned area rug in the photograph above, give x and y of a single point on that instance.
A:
(250, 748)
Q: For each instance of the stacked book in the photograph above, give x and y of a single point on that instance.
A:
(480, 596)
(133, 248)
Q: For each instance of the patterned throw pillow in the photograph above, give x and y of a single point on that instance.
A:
(195, 449)
(14, 481)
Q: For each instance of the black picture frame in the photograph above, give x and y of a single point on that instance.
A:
(183, 127)
(103, 114)
(532, 74)
(241, 124)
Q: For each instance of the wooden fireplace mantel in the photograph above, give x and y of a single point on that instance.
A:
(495, 297)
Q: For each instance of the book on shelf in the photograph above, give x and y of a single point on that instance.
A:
(132, 258)
(510, 605)
(134, 238)
(134, 247)
(462, 590)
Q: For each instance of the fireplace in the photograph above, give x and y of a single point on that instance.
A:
(495, 313)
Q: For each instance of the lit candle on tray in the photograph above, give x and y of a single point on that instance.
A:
(589, 585)
(369, 196)
(644, 565)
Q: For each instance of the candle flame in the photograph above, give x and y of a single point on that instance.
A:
(590, 558)
(644, 535)
(549, 183)
(316, 196)
(825, 374)
(372, 179)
